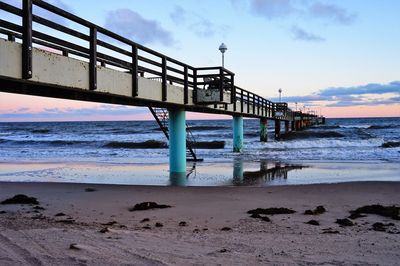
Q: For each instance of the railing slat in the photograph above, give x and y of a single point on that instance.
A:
(135, 85)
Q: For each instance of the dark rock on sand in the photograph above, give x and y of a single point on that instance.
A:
(145, 220)
(21, 199)
(271, 211)
(59, 214)
(386, 211)
(331, 232)
(226, 228)
(38, 208)
(344, 222)
(316, 211)
(265, 219)
(313, 222)
(391, 144)
(146, 227)
(89, 189)
(148, 206)
(3, 212)
(255, 216)
(224, 250)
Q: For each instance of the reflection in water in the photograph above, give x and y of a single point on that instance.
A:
(181, 179)
(268, 172)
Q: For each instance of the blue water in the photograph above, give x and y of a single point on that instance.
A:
(85, 143)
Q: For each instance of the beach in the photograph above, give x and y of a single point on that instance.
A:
(87, 224)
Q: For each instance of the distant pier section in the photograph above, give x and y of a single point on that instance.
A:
(91, 63)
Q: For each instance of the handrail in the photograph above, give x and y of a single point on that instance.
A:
(157, 64)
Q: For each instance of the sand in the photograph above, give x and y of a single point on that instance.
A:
(38, 237)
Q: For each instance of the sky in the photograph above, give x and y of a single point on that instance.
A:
(338, 58)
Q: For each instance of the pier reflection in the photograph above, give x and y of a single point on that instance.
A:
(268, 172)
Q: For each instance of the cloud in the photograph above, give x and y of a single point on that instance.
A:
(178, 16)
(60, 113)
(331, 12)
(369, 94)
(130, 24)
(272, 9)
(202, 27)
(302, 35)
(44, 13)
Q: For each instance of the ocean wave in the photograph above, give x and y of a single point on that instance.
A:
(209, 144)
(206, 128)
(383, 127)
(322, 143)
(311, 134)
(149, 144)
(391, 144)
(40, 131)
(44, 142)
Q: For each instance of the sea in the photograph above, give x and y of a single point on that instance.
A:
(119, 152)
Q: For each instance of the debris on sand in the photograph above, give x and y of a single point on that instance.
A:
(110, 223)
(182, 223)
(224, 250)
(226, 228)
(104, 230)
(330, 231)
(386, 211)
(356, 215)
(38, 208)
(158, 224)
(313, 222)
(74, 247)
(89, 189)
(317, 211)
(271, 211)
(59, 214)
(21, 199)
(144, 220)
(147, 226)
(3, 212)
(344, 222)
(381, 227)
(148, 206)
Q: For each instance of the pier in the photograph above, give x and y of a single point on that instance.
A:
(98, 65)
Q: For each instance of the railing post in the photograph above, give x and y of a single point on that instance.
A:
(27, 39)
(135, 85)
(194, 86)
(11, 37)
(248, 102)
(93, 59)
(254, 104)
(185, 85)
(233, 92)
(221, 84)
(241, 101)
(164, 79)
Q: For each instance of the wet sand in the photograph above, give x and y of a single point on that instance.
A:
(217, 228)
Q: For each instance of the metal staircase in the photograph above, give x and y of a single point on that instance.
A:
(161, 116)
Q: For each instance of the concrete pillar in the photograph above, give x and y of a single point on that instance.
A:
(237, 133)
(293, 126)
(263, 130)
(277, 129)
(286, 126)
(177, 145)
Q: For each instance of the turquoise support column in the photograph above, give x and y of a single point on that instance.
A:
(177, 145)
(263, 130)
(237, 133)
(238, 171)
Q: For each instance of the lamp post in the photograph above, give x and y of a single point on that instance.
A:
(280, 94)
(223, 49)
(296, 106)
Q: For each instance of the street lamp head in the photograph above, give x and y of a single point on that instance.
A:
(280, 90)
(223, 48)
